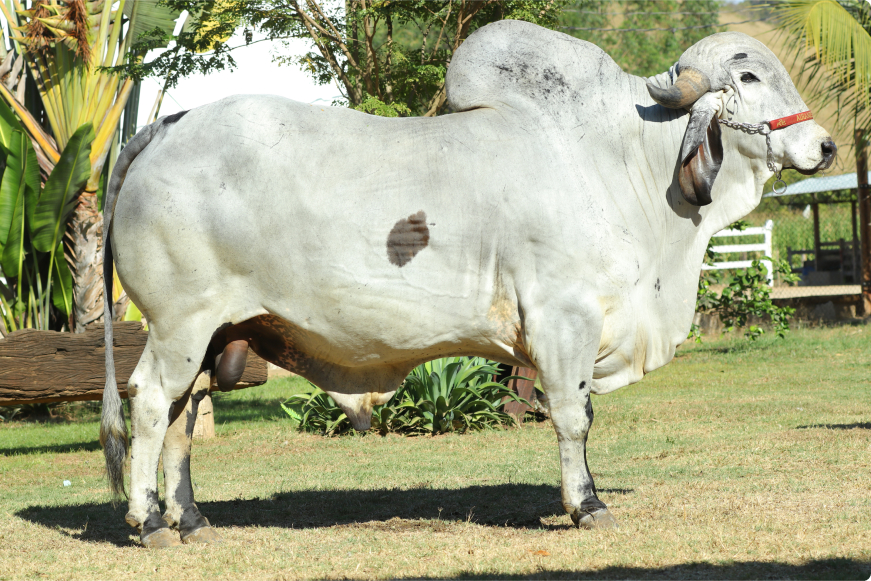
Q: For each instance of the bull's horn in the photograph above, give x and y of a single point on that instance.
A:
(686, 90)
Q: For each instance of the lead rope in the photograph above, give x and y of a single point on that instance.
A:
(765, 128)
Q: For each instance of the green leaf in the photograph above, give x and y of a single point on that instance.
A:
(8, 125)
(62, 283)
(16, 242)
(292, 413)
(146, 15)
(59, 196)
(22, 171)
(11, 186)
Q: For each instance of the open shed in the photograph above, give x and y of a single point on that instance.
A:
(834, 262)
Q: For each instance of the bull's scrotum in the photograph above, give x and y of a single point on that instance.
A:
(550, 222)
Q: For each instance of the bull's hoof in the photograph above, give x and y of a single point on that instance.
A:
(204, 535)
(161, 539)
(597, 519)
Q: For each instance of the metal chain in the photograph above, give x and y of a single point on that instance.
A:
(751, 128)
(763, 129)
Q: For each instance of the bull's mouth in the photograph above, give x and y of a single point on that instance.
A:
(823, 165)
(829, 151)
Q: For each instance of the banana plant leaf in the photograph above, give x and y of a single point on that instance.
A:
(58, 198)
(8, 124)
(62, 282)
(18, 188)
(16, 241)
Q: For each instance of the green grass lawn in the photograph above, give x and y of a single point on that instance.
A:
(735, 461)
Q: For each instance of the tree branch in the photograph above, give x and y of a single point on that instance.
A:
(354, 96)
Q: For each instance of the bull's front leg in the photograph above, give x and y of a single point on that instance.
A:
(564, 344)
(181, 511)
(572, 415)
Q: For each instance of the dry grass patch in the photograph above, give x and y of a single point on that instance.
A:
(733, 462)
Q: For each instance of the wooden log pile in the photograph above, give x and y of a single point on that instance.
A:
(47, 366)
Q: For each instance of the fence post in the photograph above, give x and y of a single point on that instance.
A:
(864, 217)
(525, 388)
(769, 225)
(204, 428)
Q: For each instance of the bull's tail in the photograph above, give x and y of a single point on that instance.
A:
(113, 427)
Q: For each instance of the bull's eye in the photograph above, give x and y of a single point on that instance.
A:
(749, 78)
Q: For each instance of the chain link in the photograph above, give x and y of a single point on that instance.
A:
(751, 128)
(759, 129)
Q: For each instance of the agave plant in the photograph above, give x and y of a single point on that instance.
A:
(317, 412)
(455, 394)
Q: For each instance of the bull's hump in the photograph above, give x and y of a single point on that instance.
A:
(525, 67)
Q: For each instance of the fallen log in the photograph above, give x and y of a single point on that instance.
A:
(47, 366)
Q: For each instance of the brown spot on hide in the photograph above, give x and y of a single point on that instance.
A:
(408, 237)
(231, 364)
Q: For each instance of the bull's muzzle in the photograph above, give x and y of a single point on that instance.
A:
(830, 150)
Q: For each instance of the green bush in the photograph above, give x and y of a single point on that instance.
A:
(455, 394)
(745, 296)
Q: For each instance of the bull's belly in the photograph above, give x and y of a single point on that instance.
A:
(314, 356)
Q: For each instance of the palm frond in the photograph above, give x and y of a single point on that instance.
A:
(833, 40)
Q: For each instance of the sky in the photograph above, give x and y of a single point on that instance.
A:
(255, 73)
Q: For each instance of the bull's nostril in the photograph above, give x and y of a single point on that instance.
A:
(829, 149)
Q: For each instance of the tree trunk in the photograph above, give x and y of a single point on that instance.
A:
(864, 197)
(84, 253)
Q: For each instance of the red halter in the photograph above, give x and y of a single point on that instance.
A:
(791, 120)
(774, 125)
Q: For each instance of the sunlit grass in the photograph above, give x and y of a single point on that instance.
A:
(737, 460)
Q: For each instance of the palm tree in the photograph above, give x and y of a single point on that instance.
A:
(833, 38)
(65, 44)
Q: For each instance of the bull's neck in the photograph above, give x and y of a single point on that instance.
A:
(737, 189)
(675, 233)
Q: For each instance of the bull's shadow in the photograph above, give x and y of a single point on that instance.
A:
(831, 568)
(88, 446)
(504, 505)
(856, 426)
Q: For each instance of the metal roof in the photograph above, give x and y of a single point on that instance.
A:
(846, 181)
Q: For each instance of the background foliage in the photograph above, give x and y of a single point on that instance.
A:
(743, 297)
(644, 37)
(386, 57)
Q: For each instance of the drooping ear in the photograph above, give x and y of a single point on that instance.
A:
(701, 153)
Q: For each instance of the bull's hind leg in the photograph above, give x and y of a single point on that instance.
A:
(181, 511)
(564, 343)
(164, 374)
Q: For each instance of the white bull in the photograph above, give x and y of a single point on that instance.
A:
(554, 221)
